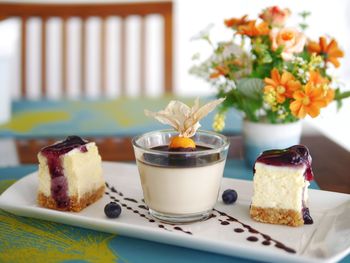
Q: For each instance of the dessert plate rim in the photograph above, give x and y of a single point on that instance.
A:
(22, 202)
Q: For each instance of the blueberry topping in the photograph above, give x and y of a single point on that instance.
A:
(59, 184)
(112, 210)
(294, 155)
(229, 196)
(307, 217)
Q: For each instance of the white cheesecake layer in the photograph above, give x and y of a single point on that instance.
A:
(83, 171)
(279, 186)
(181, 190)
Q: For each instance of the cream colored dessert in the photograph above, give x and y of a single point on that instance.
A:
(281, 180)
(181, 170)
(181, 190)
(70, 175)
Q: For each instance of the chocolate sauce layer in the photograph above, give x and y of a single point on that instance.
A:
(59, 185)
(295, 155)
(180, 160)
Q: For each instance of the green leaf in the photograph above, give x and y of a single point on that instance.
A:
(251, 87)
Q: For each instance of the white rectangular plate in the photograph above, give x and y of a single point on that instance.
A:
(327, 240)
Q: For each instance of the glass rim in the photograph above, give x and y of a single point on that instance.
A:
(222, 137)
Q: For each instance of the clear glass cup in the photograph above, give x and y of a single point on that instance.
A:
(180, 187)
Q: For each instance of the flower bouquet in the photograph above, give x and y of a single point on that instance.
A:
(270, 72)
(274, 74)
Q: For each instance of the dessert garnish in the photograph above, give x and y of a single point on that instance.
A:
(229, 196)
(112, 210)
(185, 120)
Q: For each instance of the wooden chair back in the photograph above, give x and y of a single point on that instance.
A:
(65, 11)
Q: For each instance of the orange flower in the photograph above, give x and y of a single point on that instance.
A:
(235, 22)
(317, 79)
(223, 70)
(219, 71)
(329, 96)
(284, 85)
(309, 101)
(330, 52)
(252, 29)
(321, 82)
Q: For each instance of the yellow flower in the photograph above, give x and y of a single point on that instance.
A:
(270, 97)
(219, 122)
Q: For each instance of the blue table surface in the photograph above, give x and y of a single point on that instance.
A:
(114, 117)
(118, 248)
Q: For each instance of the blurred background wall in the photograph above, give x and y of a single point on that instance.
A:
(327, 17)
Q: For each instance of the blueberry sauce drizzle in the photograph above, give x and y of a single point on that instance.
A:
(294, 155)
(267, 240)
(59, 185)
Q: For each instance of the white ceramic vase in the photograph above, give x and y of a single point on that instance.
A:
(258, 137)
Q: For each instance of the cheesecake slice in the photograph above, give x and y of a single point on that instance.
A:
(70, 175)
(281, 180)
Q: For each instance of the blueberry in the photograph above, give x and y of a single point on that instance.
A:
(113, 210)
(229, 196)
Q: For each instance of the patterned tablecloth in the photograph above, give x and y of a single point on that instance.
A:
(118, 117)
(31, 240)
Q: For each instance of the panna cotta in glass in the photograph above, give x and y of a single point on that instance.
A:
(180, 175)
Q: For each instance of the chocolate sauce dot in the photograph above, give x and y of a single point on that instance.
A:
(161, 226)
(184, 231)
(143, 207)
(152, 220)
(267, 237)
(225, 223)
(123, 205)
(287, 249)
(252, 239)
(142, 215)
(238, 230)
(266, 243)
(129, 208)
(253, 231)
(130, 199)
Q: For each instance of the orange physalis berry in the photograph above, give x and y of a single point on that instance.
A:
(181, 142)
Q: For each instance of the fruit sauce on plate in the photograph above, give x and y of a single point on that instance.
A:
(59, 185)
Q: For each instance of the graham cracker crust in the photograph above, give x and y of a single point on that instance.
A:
(277, 216)
(75, 204)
